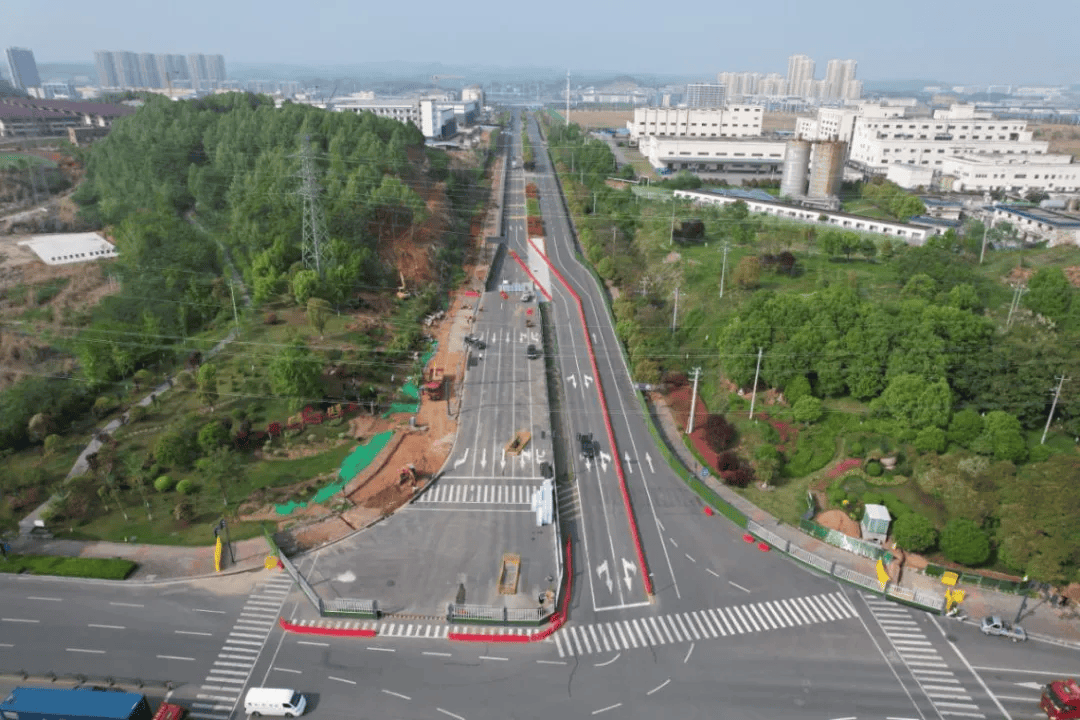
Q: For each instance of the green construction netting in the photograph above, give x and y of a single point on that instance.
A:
(359, 459)
(401, 408)
(411, 390)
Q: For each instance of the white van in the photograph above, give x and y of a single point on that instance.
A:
(274, 701)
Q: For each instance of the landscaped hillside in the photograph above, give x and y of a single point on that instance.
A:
(916, 364)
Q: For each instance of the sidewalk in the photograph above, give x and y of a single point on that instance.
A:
(1039, 618)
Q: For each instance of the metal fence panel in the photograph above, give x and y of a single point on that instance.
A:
(299, 579)
(857, 578)
(350, 605)
(811, 559)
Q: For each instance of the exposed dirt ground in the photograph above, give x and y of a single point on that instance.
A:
(837, 520)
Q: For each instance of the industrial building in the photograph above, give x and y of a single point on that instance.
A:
(723, 155)
(436, 119)
(33, 117)
(733, 121)
(1057, 227)
(700, 95)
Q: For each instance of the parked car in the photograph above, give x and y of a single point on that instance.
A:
(475, 342)
(993, 625)
(588, 445)
(531, 352)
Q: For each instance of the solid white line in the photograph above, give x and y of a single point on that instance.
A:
(232, 664)
(175, 657)
(120, 604)
(734, 584)
(296, 672)
(605, 664)
(437, 654)
(1055, 673)
(178, 632)
(659, 687)
(550, 662)
(216, 612)
(609, 707)
(309, 642)
(688, 652)
(395, 694)
(690, 558)
(344, 680)
(489, 657)
(50, 599)
(107, 627)
(450, 714)
(95, 652)
(887, 662)
(6, 645)
(712, 572)
(382, 649)
(22, 620)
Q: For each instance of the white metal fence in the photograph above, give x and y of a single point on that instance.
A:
(913, 596)
(350, 606)
(487, 613)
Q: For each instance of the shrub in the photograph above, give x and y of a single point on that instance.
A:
(855, 449)
(727, 462)
(718, 432)
(104, 405)
(184, 511)
(164, 483)
(836, 493)
(965, 427)
(965, 542)
(797, 389)
(914, 532)
(137, 413)
(814, 451)
(931, 439)
(53, 443)
(172, 450)
(740, 478)
(808, 409)
(874, 469)
(1039, 453)
(769, 433)
(212, 436)
(187, 487)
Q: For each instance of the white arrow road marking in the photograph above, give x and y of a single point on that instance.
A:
(602, 571)
(535, 336)
(540, 455)
(483, 458)
(626, 457)
(588, 465)
(522, 337)
(572, 380)
(587, 379)
(461, 461)
(648, 459)
(604, 460)
(628, 567)
(502, 463)
(593, 336)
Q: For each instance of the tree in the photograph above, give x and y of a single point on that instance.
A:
(930, 439)
(211, 436)
(914, 532)
(964, 297)
(965, 427)
(305, 284)
(920, 286)
(718, 432)
(1049, 293)
(868, 249)
(808, 409)
(39, 426)
(796, 389)
(296, 373)
(964, 542)
(219, 465)
(318, 312)
(748, 272)
(172, 450)
(206, 380)
(915, 402)
(1002, 437)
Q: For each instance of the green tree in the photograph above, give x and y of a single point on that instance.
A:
(964, 297)
(1002, 437)
(964, 542)
(318, 312)
(219, 465)
(206, 381)
(1049, 293)
(172, 449)
(796, 389)
(920, 286)
(296, 373)
(965, 427)
(305, 285)
(930, 439)
(808, 409)
(211, 436)
(915, 402)
(914, 532)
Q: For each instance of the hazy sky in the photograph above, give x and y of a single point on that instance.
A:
(958, 41)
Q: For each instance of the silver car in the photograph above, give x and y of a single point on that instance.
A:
(993, 625)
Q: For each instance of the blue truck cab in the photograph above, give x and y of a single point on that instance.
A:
(89, 703)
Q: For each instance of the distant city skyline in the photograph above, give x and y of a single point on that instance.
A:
(921, 39)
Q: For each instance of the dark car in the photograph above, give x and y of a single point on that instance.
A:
(475, 342)
(588, 445)
(531, 352)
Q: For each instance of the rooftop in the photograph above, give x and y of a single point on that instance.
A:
(66, 248)
(1054, 218)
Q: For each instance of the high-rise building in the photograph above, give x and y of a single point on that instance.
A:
(173, 70)
(701, 95)
(773, 85)
(22, 68)
(106, 69)
(800, 75)
(148, 68)
(852, 89)
(127, 69)
(207, 71)
(838, 74)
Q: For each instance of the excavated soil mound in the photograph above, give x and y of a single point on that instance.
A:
(837, 520)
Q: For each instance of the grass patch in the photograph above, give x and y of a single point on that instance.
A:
(101, 568)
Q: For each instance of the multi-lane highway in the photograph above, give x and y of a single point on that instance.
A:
(729, 631)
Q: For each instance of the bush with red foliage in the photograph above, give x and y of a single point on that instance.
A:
(676, 379)
(274, 429)
(718, 432)
(532, 191)
(740, 478)
(727, 462)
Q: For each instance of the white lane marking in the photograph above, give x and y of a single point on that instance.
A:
(437, 654)
(189, 632)
(48, 599)
(735, 585)
(489, 657)
(449, 714)
(107, 627)
(7, 645)
(609, 707)
(550, 662)
(216, 612)
(382, 649)
(120, 604)
(978, 677)
(296, 672)
(1054, 673)
(22, 620)
(712, 572)
(691, 559)
(396, 694)
(95, 652)
(175, 657)
(688, 653)
(661, 686)
(672, 540)
(605, 664)
(344, 680)
(311, 642)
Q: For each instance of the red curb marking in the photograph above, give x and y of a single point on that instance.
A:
(333, 632)
(555, 623)
(763, 547)
(748, 538)
(607, 425)
(529, 273)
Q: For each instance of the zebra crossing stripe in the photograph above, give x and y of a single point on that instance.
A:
(622, 637)
(558, 645)
(794, 611)
(745, 617)
(841, 608)
(760, 615)
(659, 633)
(641, 636)
(693, 630)
(716, 620)
(707, 622)
(630, 634)
(812, 610)
(779, 613)
(603, 638)
(645, 627)
(585, 641)
(577, 643)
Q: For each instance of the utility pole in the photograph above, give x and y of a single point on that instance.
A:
(567, 98)
(236, 319)
(594, 203)
(315, 235)
(693, 402)
(1018, 291)
(753, 395)
(675, 314)
(986, 231)
(671, 238)
(1053, 406)
(723, 269)
(613, 238)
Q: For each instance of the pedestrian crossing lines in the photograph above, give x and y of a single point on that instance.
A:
(218, 694)
(937, 681)
(479, 494)
(569, 502)
(701, 624)
(421, 631)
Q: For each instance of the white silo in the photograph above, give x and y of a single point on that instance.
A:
(796, 166)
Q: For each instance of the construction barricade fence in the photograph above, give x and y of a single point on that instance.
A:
(350, 607)
(922, 599)
(489, 615)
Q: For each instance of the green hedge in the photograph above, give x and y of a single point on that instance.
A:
(102, 568)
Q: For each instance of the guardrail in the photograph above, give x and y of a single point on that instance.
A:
(922, 599)
(351, 608)
(489, 615)
(78, 680)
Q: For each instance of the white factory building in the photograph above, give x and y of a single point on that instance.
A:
(436, 119)
(728, 122)
(745, 155)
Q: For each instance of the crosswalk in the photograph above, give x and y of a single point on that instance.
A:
(702, 624)
(479, 494)
(221, 690)
(937, 681)
(421, 631)
(569, 502)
